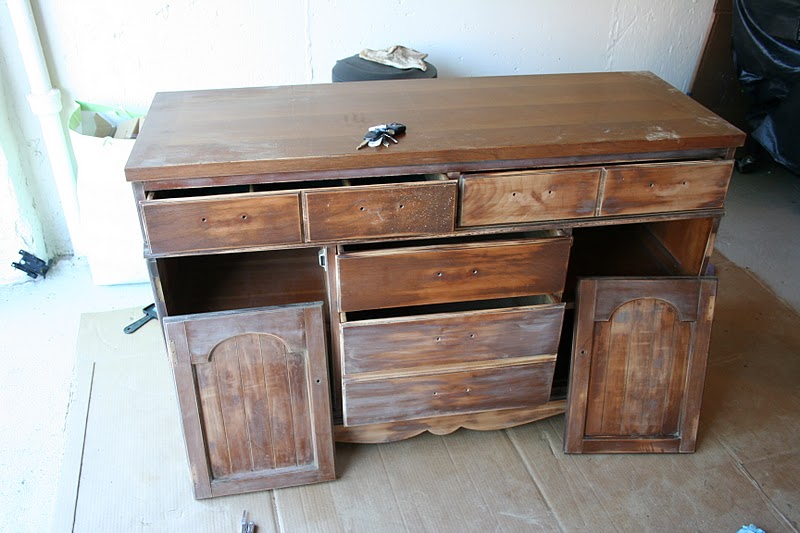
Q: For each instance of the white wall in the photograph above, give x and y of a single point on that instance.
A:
(20, 228)
(123, 52)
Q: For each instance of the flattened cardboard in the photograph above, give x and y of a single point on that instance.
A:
(134, 473)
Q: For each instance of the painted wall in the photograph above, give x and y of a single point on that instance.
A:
(121, 53)
(20, 228)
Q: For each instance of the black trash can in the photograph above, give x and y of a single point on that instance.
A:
(354, 68)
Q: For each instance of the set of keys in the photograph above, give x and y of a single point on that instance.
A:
(381, 135)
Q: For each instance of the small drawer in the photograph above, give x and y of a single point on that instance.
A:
(655, 188)
(520, 383)
(367, 211)
(425, 275)
(224, 222)
(530, 196)
(432, 341)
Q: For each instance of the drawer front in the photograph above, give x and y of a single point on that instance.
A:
(380, 211)
(426, 342)
(519, 197)
(452, 273)
(640, 189)
(188, 225)
(469, 391)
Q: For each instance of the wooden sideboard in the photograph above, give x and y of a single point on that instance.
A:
(533, 245)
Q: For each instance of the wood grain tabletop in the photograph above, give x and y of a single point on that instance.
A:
(316, 128)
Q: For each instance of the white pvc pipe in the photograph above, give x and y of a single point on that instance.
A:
(45, 101)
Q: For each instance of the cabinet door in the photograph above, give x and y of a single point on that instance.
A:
(638, 364)
(253, 393)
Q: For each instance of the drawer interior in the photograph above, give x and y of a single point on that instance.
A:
(224, 282)
(453, 307)
(441, 241)
(199, 192)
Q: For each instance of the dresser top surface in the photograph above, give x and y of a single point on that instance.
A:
(316, 128)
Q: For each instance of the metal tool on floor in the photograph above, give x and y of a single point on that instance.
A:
(247, 526)
(32, 265)
(149, 314)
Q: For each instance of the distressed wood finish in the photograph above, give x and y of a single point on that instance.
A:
(638, 189)
(253, 390)
(445, 258)
(426, 342)
(690, 242)
(443, 425)
(519, 197)
(451, 273)
(314, 129)
(222, 223)
(351, 213)
(638, 364)
(524, 382)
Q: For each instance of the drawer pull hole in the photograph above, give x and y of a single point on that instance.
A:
(361, 208)
(652, 185)
(475, 271)
(467, 390)
(471, 335)
(439, 274)
(513, 194)
(684, 183)
(204, 219)
(402, 206)
(244, 217)
(436, 394)
(319, 381)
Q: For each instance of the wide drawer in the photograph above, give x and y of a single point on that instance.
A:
(529, 196)
(377, 279)
(660, 187)
(361, 212)
(521, 383)
(426, 342)
(225, 222)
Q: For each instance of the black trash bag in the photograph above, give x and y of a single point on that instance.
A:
(766, 52)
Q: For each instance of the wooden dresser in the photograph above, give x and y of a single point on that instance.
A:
(532, 245)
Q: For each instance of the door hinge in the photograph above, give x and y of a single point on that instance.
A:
(173, 354)
(323, 258)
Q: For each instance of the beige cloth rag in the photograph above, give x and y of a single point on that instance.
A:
(397, 56)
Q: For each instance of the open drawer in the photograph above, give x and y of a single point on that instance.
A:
(451, 270)
(468, 358)
(271, 215)
(387, 207)
(220, 218)
(528, 196)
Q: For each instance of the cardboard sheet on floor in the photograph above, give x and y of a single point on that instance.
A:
(125, 467)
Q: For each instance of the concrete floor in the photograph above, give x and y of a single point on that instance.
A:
(40, 324)
(39, 329)
(761, 229)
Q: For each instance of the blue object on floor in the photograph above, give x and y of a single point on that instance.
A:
(752, 528)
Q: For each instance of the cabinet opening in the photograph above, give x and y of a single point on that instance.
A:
(558, 391)
(224, 282)
(653, 249)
